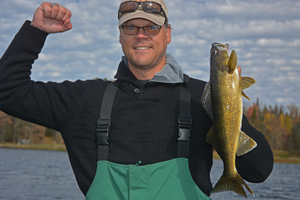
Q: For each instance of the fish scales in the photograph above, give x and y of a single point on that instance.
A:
(222, 99)
(227, 109)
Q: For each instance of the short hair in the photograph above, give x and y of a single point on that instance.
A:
(166, 24)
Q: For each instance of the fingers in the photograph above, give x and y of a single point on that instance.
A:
(59, 13)
(52, 19)
(54, 12)
(239, 70)
(68, 25)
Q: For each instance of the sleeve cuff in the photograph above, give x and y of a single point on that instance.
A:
(31, 37)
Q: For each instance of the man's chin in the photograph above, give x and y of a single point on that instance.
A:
(142, 63)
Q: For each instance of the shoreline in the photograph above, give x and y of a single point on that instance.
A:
(49, 147)
(278, 158)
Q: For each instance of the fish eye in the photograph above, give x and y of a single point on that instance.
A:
(215, 52)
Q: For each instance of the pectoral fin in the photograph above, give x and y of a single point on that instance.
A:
(246, 82)
(244, 95)
(206, 100)
(245, 144)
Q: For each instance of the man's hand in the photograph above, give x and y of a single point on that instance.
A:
(53, 19)
(240, 70)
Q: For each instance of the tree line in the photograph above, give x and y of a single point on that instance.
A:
(17, 131)
(280, 125)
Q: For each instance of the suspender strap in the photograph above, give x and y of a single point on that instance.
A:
(184, 120)
(103, 123)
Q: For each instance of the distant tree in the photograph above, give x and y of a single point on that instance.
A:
(50, 132)
(104, 79)
(272, 130)
(296, 138)
(254, 115)
(286, 126)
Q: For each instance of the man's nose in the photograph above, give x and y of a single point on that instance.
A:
(141, 33)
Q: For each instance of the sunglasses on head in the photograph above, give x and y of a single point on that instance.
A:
(148, 6)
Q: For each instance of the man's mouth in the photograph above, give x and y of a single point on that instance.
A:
(142, 48)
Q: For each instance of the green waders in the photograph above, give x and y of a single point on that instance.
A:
(168, 180)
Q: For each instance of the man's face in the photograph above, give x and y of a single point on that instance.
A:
(145, 51)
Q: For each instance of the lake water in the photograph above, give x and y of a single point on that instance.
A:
(47, 175)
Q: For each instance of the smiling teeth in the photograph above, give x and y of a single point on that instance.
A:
(142, 48)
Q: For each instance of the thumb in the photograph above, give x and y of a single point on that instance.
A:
(68, 25)
(239, 70)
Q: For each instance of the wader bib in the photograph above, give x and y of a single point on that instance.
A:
(168, 180)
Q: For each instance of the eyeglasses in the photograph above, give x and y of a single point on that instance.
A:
(148, 30)
(148, 6)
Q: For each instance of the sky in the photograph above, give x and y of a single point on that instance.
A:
(264, 33)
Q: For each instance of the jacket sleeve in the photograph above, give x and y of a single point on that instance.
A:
(256, 165)
(48, 104)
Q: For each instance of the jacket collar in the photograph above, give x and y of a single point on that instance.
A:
(171, 73)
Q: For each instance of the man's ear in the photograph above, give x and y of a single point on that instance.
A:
(168, 34)
(120, 34)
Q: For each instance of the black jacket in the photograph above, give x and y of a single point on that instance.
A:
(144, 117)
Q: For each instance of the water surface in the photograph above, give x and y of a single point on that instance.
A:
(283, 183)
(36, 175)
(47, 175)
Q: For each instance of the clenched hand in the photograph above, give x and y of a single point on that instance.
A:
(53, 19)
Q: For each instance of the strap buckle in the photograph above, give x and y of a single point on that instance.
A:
(103, 126)
(184, 125)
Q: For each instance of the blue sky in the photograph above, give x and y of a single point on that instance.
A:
(264, 33)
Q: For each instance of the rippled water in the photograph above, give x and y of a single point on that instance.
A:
(36, 175)
(283, 183)
(47, 175)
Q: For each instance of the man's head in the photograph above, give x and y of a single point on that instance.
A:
(143, 36)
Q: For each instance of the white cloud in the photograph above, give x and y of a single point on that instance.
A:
(296, 62)
(278, 62)
(47, 57)
(187, 40)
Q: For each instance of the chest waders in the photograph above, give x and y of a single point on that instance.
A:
(168, 180)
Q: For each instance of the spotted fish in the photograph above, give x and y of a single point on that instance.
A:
(222, 99)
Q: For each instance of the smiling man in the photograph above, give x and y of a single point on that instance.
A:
(149, 142)
(143, 38)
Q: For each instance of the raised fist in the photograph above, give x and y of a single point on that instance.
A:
(52, 18)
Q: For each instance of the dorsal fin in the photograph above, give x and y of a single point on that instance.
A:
(232, 62)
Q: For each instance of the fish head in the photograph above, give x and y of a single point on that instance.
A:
(222, 58)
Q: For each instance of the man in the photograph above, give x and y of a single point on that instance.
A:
(142, 161)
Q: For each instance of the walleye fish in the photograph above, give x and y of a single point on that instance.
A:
(222, 99)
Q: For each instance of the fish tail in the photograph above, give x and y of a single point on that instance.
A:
(232, 183)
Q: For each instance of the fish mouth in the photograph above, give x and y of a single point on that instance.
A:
(223, 58)
(221, 47)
